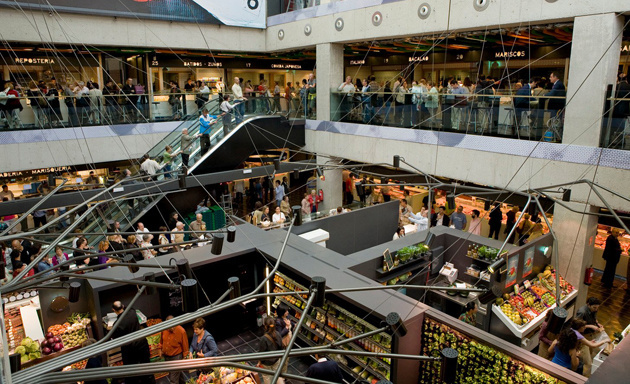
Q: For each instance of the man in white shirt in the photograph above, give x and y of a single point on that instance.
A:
(140, 232)
(238, 96)
(6, 194)
(420, 220)
(347, 88)
(278, 217)
(149, 166)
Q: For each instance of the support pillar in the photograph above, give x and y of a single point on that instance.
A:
(591, 50)
(576, 234)
(329, 66)
(332, 186)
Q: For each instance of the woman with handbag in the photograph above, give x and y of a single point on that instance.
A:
(270, 341)
(202, 343)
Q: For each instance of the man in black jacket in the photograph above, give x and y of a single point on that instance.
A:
(326, 370)
(441, 218)
(136, 352)
(621, 109)
(496, 217)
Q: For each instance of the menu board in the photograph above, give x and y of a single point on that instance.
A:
(512, 267)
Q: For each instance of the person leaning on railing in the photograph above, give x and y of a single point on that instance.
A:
(9, 103)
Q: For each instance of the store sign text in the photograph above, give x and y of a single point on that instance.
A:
(625, 48)
(357, 62)
(502, 55)
(286, 66)
(418, 58)
(41, 171)
(25, 60)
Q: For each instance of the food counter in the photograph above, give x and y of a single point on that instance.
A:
(470, 202)
(600, 243)
(607, 349)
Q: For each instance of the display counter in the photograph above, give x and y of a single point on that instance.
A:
(600, 243)
(484, 358)
(606, 350)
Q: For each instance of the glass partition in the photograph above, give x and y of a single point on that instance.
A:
(616, 122)
(48, 110)
(505, 114)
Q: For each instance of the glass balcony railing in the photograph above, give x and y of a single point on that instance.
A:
(505, 115)
(616, 123)
(41, 112)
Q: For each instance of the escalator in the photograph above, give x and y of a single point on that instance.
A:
(229, 148)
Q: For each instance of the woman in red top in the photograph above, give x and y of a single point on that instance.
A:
(18, 267)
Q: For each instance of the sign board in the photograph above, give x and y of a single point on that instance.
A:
(528, 262)
(389, 262)
(236, 13)
(512, 267)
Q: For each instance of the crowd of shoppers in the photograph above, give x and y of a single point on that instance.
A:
(450, 104)
(86, 103)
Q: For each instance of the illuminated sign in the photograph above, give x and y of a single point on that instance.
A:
(509, 55)
(36, 60)
(286, 66)
(357, 62)
(40, 171)
(418, 58)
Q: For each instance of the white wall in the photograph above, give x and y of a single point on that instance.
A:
(15, 26)
(401, 19)
(43, 154)
(486, 168)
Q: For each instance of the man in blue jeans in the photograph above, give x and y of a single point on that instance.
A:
(238, 98)
(206, 122)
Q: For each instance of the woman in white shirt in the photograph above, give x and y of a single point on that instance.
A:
(278, 217)
(146, 242)
(400, 232)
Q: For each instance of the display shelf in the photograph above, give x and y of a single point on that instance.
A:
(520, 331)
(401, 270)
(400, 267)
(336, 323)
(481, 260)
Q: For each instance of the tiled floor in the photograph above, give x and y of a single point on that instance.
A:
(614, 313)
(247, 342)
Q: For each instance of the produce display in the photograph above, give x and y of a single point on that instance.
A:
(477, 363)
(28, 350)
(224, 375)
(483, 252)
(68, 335)
(525, 304)
(14, 327)
(331, 323)
(407, 254)
(51, 344)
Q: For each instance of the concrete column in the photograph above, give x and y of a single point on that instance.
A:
(332, 186)
(591, 50)
(329, 66)
(576, 234)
